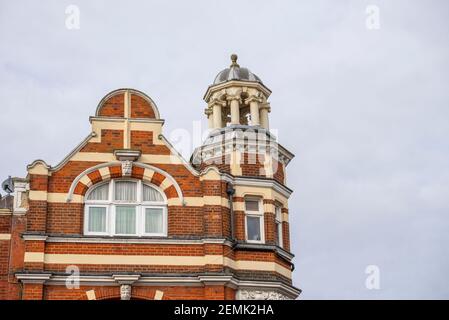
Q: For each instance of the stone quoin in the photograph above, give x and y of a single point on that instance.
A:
(137, 221)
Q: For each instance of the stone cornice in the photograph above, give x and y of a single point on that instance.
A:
(261, 182)
(39, 278)
(126, 278)
(120, 119)
(121, 240)
(167, 280)
(255, 246)
(127, 154)
(34, 237)
(244, 138)
(5, 212)
(238, 83)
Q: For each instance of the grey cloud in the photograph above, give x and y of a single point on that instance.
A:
(366, 113)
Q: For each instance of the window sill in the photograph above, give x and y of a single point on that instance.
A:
(124, 236)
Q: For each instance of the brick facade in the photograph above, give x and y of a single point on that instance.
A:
(45, 236)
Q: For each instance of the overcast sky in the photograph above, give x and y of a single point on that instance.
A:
(365, 111)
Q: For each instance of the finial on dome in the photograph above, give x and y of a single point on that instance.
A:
(234, 58)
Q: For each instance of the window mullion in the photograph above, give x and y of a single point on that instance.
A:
(139, 220)
(164, 220)
(111, 191)
(262, 221)
(112, 221)
(139, 208)
(139, 197)
(86, 219)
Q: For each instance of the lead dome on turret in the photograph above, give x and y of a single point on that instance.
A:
(235, 72)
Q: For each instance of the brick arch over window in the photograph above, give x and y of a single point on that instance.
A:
(106, 293)
(141, 105)
(111, 170)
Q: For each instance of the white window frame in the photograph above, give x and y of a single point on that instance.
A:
(114, 226)
(164, 221)
(86, 219)
(278, 225)
(140, 205)
(258, 214)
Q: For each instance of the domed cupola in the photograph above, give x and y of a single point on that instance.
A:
(237, 98)
(235, 72)
(240, 142)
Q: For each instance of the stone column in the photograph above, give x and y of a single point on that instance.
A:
(264, 109)
(254, 108)
(254, 102)
(233, 96)
(210, 119)
(217, 116)
(235, 111)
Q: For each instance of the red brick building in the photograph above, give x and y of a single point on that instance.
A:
(125, 216)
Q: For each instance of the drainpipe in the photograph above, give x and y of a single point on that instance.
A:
(231, 191)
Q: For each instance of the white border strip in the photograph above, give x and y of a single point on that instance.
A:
(5, 236)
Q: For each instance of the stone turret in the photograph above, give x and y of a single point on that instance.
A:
(240, 141)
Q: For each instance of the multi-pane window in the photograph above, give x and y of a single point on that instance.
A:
(278, 225)
(125, 207)
(254, 220)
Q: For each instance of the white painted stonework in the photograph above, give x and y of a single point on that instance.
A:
(125, 292)
(20, 204)
(245, 294)
(127, 168)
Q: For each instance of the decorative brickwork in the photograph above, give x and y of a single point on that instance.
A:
(141, 108)
(113, 107)
(43, 239)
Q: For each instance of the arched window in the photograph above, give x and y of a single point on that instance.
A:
(125, 208)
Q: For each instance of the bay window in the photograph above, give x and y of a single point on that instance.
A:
(125, 208)
(254, 220)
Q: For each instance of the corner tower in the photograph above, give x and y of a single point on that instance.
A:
(250, 160)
